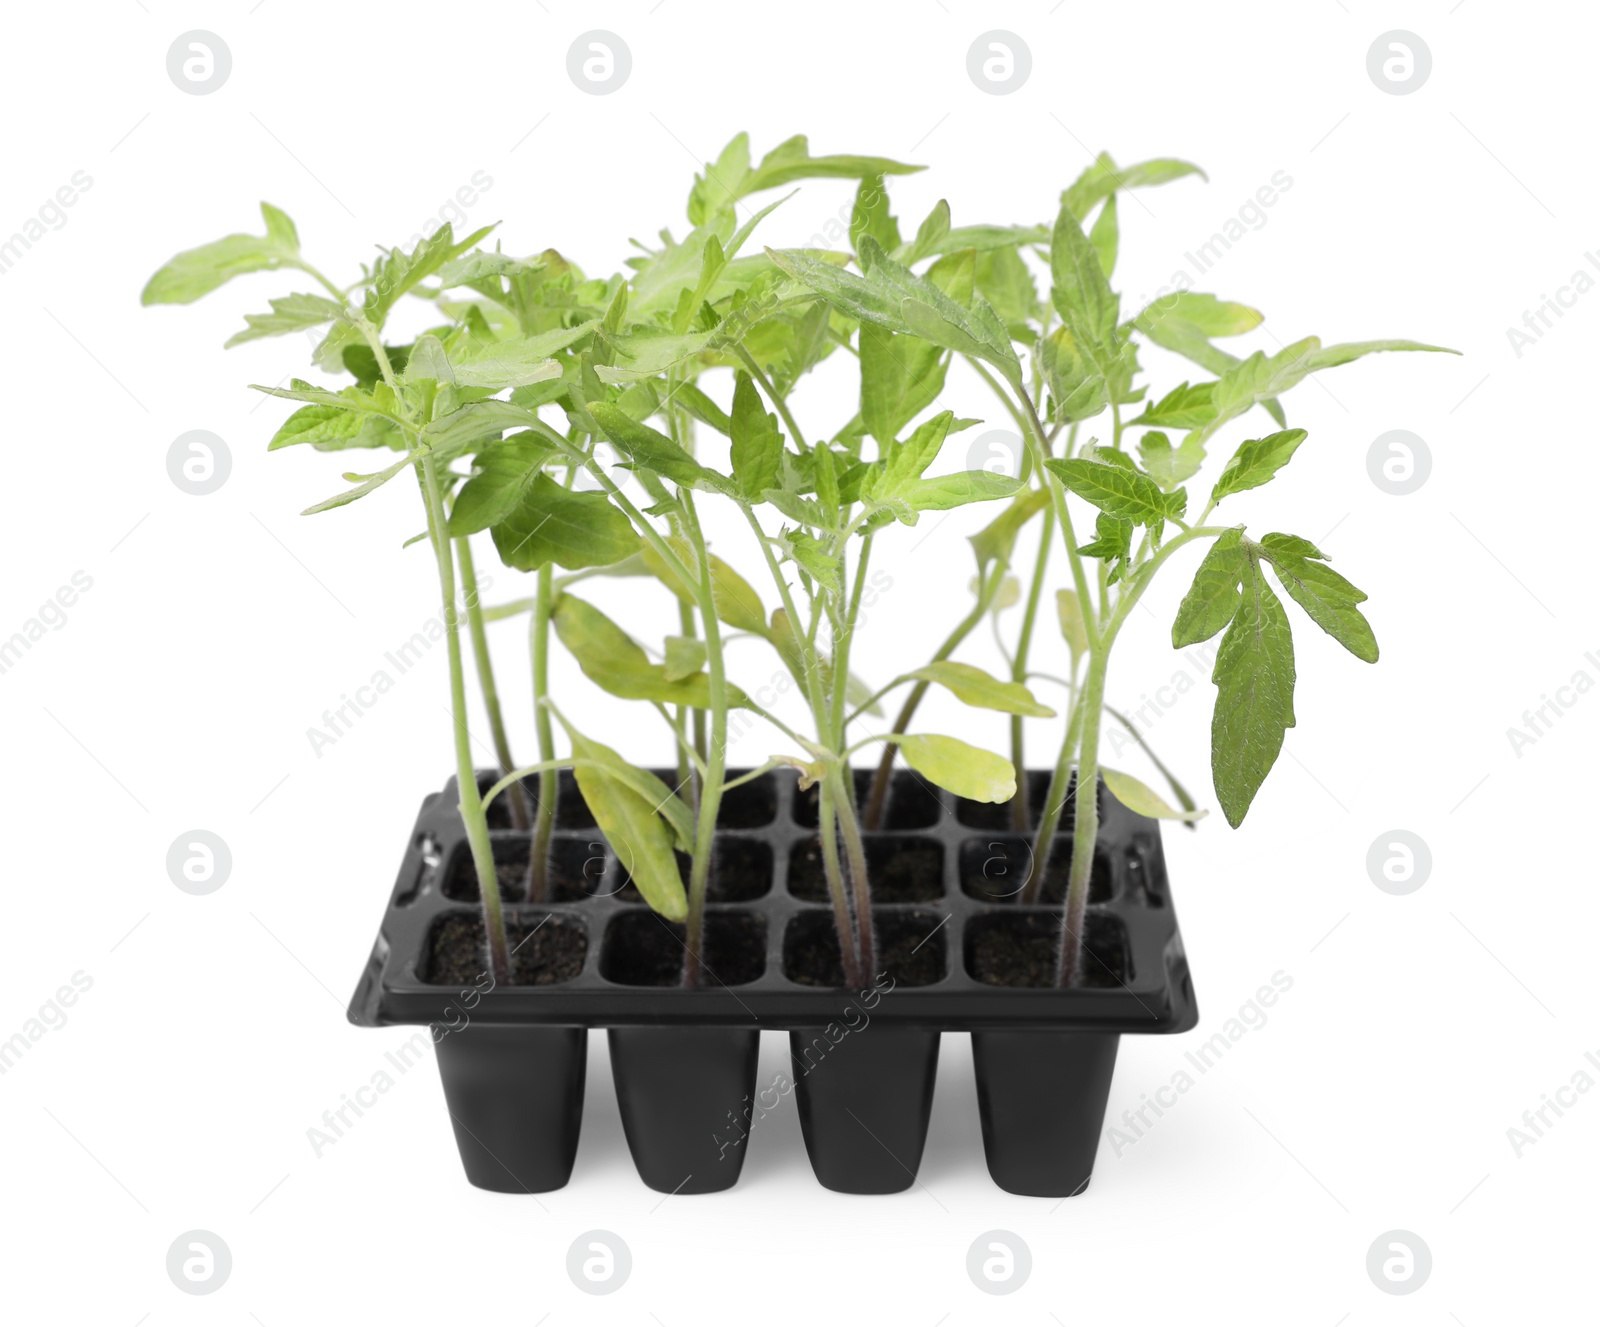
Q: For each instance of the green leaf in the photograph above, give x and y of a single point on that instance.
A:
(901, 375)
(518, 361)
(197, 272)
(647, 449)
(1078, 287)
(701, 406)
(935, 226)
(1117, 490)
(505, 471)
(554, 524)
(997, 539)
(647, 352)
(957, 490)
(1104, 236)
(398, 273)
(1205, 314)
(464, 429)
(1256, 462)
(293, 313)
(1167, 467)
(973, 686)
(1004, 280)
(360, 490)
(1077, 389)
(1184, 407)
(1069, 611)
(737, 602)
(1112, 544)
(1254, 673)
(1292, 545)
(968, 771)
(325, 427)
(615, 662)
(1142, 800)
(870, 215)
(1328, 598)
(685, 655)
(641, 839)
(904, 462)
(1102, 179)
(1213, 598)
(792, 160)
(756, 445)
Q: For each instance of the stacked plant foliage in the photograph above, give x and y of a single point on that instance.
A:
(511, 412)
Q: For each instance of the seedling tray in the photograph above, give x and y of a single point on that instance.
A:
(949, 927)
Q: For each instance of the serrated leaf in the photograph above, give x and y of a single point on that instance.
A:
(1078, 287)
(504, 473)
(870, 215)
(966, 770)
(196, 272)
(972, 686)
(360, 490)
(1256, 462)
(293, 313)
(756, 444)
(1114, 489)
(1255, 676)
(1169, 467)
(1104, 236)
(647, 449)
(1328, 598)
(957, 490)
(550, 523)
(1293, 546)
(901, 375)
(518, 361)
(323, 426)
(1213, 597)
(1102, 178)
(1143, 800)
(1184, 407)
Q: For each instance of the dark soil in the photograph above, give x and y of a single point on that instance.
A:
(997, 815)
(741, 870)
(901, 870)
(643, 949)
(540, 953)
(750, 805)
(905, 950)
(576, 869)
(1020, 949)
(913, 802)
(995, 869)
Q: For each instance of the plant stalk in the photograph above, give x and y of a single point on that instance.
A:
(1020, 810)
(549, 780)
(486, 682)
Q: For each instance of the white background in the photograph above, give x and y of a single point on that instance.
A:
(179, 692)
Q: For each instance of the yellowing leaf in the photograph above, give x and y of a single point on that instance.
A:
(966, 770)
(1144, 800)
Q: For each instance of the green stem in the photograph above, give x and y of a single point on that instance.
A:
(716, 756)
(1020, 811)
(472, 812)
(778, 402)
(549, 780)
(855, 852)
(470, 802)
(827, 834)
(486, 682)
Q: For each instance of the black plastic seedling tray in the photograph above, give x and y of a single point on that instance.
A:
(946, 871)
